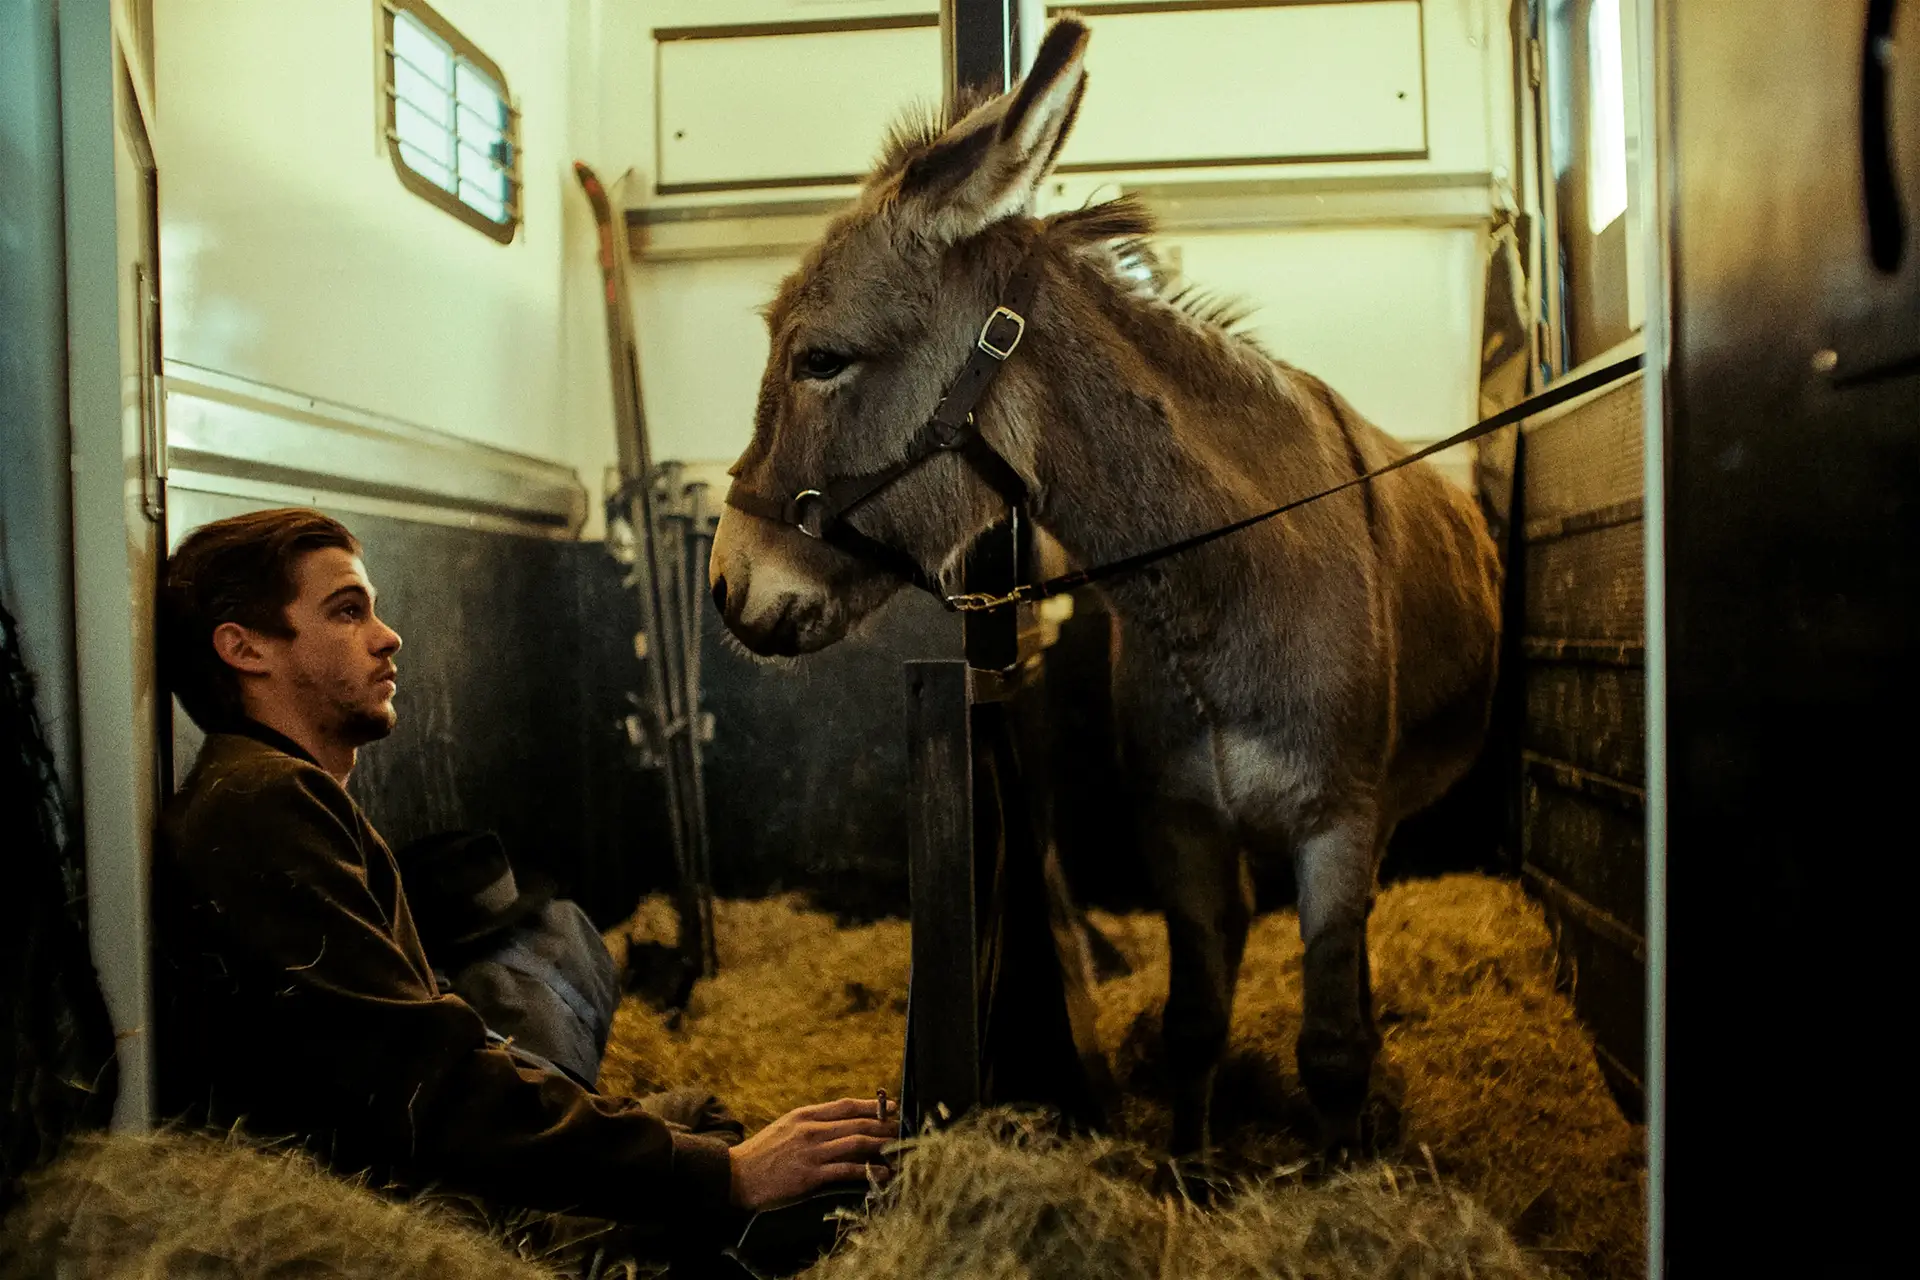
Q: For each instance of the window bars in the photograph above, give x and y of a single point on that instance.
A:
(451, 130)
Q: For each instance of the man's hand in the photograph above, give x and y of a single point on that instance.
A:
(808, 1148)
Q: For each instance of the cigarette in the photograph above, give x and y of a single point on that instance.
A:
(880, 1105)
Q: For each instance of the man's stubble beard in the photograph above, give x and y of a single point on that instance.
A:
(351, 722)
(359, 726)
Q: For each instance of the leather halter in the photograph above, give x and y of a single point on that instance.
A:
(822, 512)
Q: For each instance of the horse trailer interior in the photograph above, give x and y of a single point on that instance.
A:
(503, 288)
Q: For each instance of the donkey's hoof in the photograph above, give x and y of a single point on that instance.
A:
(1343, 1138)
(1365, 1134)
(1191, 1178)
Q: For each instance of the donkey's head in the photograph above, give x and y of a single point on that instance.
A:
(867, 335)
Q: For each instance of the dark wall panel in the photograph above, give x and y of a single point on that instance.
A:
(1582, 765)
(1592, 844)
(807, 771)
(1793, 620)
(1589, 715)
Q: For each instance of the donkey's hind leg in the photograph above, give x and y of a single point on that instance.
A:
(1204, 888)
(1338, 1042)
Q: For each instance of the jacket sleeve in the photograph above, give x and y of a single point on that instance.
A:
(356, 1046)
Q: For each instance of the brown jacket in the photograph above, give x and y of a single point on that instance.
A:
(293, 996)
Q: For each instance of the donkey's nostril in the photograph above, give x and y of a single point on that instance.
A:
(720, 595)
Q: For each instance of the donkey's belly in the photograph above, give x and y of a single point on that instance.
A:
(1268, 785)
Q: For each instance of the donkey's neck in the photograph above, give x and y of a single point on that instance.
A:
(1144, 425)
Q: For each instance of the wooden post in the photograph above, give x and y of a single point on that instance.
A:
(943, 1033)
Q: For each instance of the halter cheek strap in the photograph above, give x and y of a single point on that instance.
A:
(822, 512)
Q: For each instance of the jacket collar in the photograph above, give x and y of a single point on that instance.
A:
(270, 737)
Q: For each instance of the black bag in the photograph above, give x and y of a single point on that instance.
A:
(547, 985)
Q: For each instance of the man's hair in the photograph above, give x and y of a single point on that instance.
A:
(234, 570)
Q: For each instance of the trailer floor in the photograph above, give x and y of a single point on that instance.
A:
(1492, 1080)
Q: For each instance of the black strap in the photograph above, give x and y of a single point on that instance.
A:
(842, 534)
(1557, 394)
(951, 428)
(822, 512)
(997, 339)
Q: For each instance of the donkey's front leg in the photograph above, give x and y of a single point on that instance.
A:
(1338, 1042)
(1201, 876)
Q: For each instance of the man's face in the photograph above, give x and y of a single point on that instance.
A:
(337, 668)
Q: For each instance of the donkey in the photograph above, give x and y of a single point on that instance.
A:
(1294, 690)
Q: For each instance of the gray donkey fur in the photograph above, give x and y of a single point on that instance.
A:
(1294, 690)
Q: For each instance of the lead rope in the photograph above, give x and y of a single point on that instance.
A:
(1027, 593)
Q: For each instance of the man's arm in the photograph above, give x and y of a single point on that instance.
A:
(389, 1072)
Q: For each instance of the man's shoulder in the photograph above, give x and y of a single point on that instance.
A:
(238, 778)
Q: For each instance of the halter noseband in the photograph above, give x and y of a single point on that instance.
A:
(822, 512)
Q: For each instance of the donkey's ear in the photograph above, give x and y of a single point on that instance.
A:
(988, 166)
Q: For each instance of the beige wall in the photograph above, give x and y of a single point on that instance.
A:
(1386, 307)
(293, 257)
(1389, 316)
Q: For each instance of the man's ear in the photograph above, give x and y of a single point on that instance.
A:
(988, 166)
(239, 647)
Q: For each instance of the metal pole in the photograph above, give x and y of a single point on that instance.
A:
(697, 542)
(638, 502)
(980, 38)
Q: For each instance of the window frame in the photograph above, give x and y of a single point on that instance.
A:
(1566, 298)
(463, 50)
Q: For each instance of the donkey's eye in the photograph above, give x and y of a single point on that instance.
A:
(818, 364)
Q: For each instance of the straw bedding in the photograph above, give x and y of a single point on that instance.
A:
(1490, 1081)
(1504, 1155)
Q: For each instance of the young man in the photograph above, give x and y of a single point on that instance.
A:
(293, 994)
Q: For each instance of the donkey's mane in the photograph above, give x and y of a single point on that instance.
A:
(1118, 235)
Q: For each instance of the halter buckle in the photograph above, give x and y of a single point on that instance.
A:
(1000, 351)
(981, 601)
(797, 513)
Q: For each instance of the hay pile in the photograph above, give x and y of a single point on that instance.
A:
(1492, 1074)
(1002, 1198)
(183, 1205)
(800, 1012)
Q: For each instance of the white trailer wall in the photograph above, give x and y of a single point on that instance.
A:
(294, 261)
(1359, 247)
(298, 267)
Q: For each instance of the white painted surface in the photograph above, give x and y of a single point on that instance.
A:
(115, 547)
(1467, 70)
(1387, 316)
(703, 346)
(1306, 80)
(775, 108)
(1468, 86)
(292, 256)
(704, 13)
(1388, 313)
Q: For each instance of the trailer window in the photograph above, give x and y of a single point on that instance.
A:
(450, 127)
(1590, 101)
